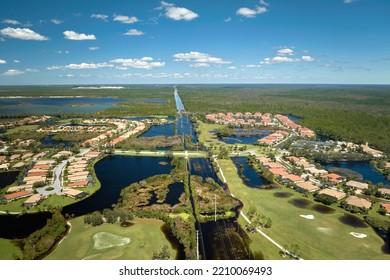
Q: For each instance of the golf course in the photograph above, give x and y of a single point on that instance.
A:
(111, 241)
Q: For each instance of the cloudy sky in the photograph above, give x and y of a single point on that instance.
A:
(194, 41)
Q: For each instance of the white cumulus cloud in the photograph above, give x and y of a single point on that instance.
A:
(125, 19)
(13, 72)
(146, 63)
(100, 16)
(307, 58)
(200, 65)
(177, 13)
(22, 33)
(286, 51)
(81, 66)
(93, 48)
(11, 21)
(56, 21)
(30, 70)
(71, 35)
(251, 13)
(198, 57)
(134, 32)
(2, 61)
(262, 2)
(278, 59)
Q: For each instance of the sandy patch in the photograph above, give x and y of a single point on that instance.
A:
(309, 217)
(358, 235)
(324, 229)
(104, 240)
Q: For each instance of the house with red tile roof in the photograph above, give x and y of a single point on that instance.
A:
(79, 184)
(333, 178)
(17, 195)
(358, 202)
(306, 186)
(333, 193)
(387, 207)
(292, 178)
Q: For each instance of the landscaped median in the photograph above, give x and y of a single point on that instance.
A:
(322, 237)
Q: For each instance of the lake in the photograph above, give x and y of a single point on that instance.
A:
(160, 130)
(126, 170)
(245, 136)
(49, 141)
(7, 178)
(254, 179)
(362, 167)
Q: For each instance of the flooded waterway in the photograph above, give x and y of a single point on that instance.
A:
(249, 176)
(364, 168)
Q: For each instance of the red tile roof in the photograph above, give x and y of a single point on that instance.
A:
(17, 195)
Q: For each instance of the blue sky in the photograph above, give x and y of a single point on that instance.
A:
(194, 41)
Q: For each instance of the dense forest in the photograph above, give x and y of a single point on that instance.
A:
(353, 113)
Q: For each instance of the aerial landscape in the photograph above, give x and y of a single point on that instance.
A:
(190, 130)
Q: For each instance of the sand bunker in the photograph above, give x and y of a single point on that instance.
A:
(104, 240)
(358, 235)
(324, 230)
(309, 217)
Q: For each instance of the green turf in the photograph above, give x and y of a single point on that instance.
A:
(22, 128)
(145, 238)
(9, 250)
(325, 237)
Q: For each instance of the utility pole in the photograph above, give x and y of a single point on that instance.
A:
(197, 244)
(215, 208)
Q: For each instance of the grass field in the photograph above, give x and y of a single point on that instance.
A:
(8, 250)
(324, 237)
(22, 128)
(144, 238)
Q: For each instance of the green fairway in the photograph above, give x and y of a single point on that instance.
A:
(323, 237)
(8, 250)
(112, 242)
(22, 128)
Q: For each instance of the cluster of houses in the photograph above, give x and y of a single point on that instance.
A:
(77, 170)
(240, 119)
(257, 119)
(326, 185)
(124, 127)
(25, 121)
(303, 131)
(77, 176)
(274, 138)
(73, 129)
(18, 160)
(38, 173)
(371, 151)
(280, 171)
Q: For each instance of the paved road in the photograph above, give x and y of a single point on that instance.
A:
(56, 185)
(162, 153)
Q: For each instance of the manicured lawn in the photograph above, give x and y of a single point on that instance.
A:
(324, 237)
(145, 238)
(8, 250)
(13, 206)
(22, 128)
